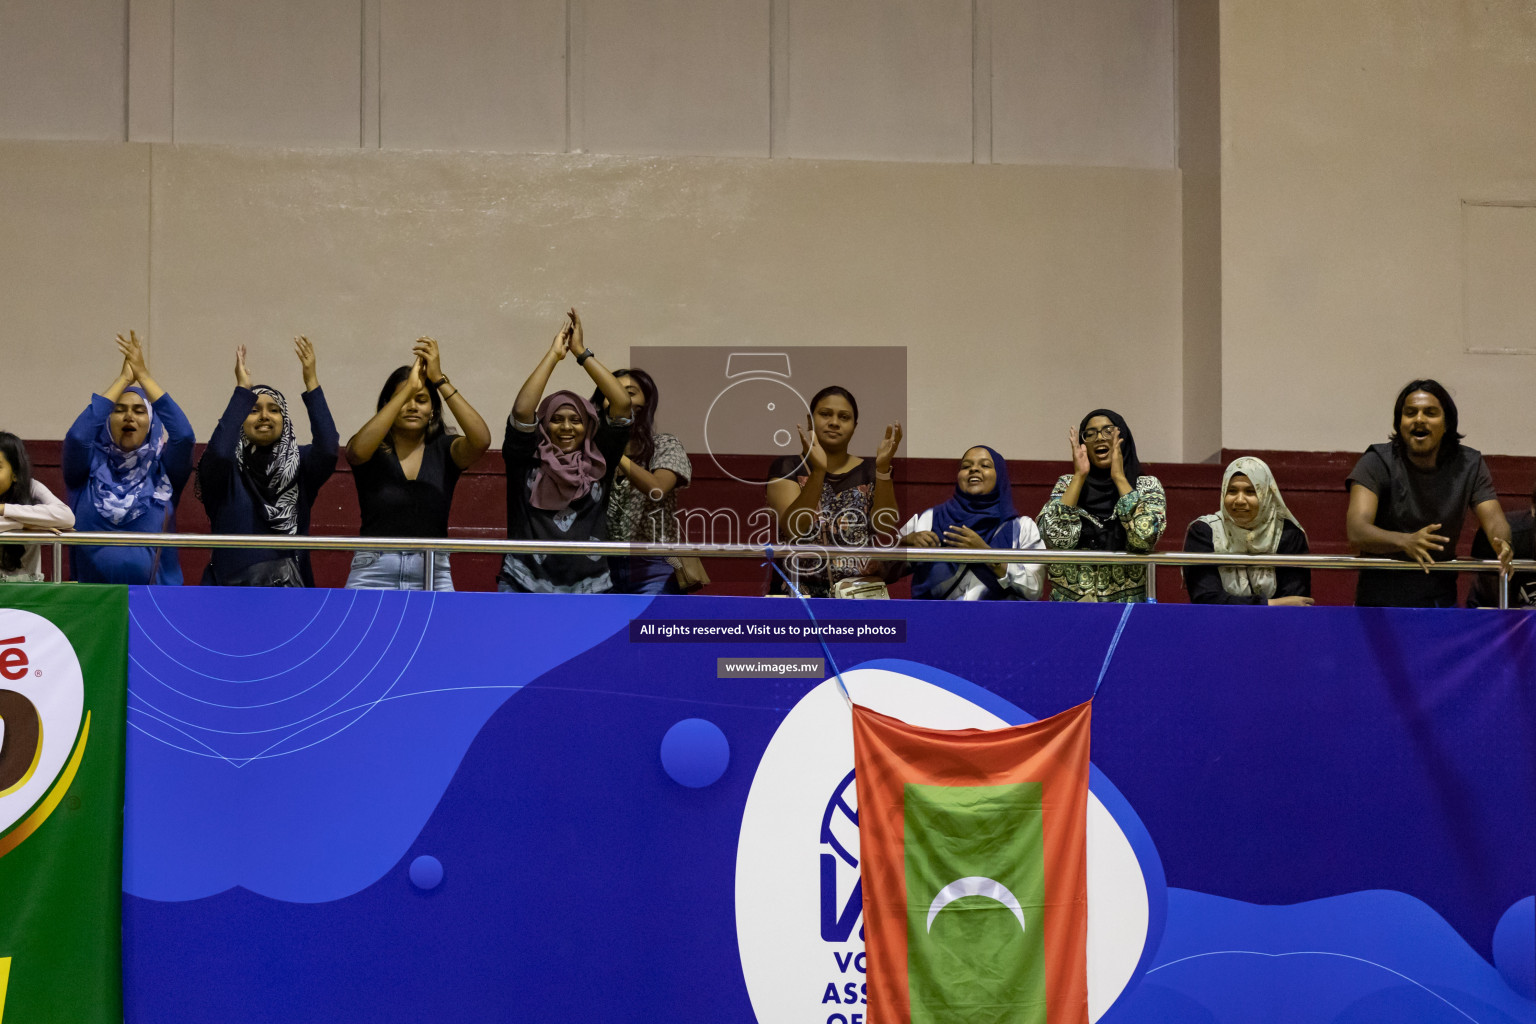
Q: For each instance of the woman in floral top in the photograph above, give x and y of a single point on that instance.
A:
(643, 508)
(828, 496)
(1104, 504)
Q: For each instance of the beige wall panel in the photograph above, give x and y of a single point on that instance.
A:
(1353, 130)
(62, 69)
(74, 221)
(473, 74)
(1024, 296)
(1084, 82)
(274, 72)
(676, 77)
(1199, 91)
(879, 79)
(1499, 278)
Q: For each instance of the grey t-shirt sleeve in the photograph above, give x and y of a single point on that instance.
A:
(1371, 472)
(671, 455)
(1482, 488)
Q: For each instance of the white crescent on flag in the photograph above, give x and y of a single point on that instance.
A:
(975, 885)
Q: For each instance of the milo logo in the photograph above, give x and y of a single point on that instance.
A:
(42, 705)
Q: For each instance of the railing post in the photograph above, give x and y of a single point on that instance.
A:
(1151, 583)
(58, 562)
(428, 563)
(1503, 589)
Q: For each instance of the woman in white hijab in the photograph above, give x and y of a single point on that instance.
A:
(1253, 521)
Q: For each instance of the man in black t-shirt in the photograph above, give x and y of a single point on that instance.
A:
(1407, 499)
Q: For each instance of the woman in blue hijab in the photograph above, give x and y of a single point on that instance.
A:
(980, 514)
(126, 460)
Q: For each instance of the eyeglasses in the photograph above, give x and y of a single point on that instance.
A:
(1094, 433)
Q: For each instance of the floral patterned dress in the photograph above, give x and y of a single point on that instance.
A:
(1142, 511)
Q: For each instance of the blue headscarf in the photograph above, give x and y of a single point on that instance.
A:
(124, 485)
(991, 515)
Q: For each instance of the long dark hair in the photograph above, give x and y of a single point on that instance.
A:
(642, 433)
(833, 389)
(1452, 439)
(19, 493)
(435, 426)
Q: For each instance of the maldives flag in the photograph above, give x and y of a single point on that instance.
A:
(974, 865)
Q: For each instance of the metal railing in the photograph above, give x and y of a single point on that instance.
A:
(434, 546)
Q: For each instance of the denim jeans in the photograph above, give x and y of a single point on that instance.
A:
(643, 575)
(397, 570)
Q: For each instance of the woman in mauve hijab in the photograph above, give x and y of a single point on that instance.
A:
(561, 458)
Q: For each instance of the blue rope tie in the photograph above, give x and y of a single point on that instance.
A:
(1113, 643)
(806, 604)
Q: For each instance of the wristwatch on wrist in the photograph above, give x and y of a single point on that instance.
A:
(581, 360)
(441, 381)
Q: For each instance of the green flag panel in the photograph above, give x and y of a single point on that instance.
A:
(975, 875)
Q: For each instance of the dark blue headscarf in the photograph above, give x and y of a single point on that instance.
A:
(991, 515)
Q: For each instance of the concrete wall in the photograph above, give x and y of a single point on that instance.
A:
(1080, 82)
(1378, 177)
(1199, 82)
(989, 184)
(1023, 295)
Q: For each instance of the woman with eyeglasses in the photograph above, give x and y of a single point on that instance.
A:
(1105, 504)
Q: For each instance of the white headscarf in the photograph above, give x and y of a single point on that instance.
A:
(1260, 537)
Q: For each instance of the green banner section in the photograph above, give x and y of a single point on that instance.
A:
(63, 685)
(975, 873)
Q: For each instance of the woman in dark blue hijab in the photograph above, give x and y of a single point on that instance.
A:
(979, 515)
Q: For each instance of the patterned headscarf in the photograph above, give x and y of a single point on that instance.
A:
(126, 484)
(1261, 537)
(563, 477)
(272, 471)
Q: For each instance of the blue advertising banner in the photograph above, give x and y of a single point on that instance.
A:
(381, 806)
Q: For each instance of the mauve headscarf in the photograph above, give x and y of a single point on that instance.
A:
(563, 477)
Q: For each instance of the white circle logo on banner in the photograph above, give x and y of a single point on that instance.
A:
(42, 702)
(798, 923)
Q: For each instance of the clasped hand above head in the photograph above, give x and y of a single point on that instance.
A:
(303, 348)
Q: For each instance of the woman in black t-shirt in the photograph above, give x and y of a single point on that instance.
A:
(561, 457)
(827, 496)
(405, 465)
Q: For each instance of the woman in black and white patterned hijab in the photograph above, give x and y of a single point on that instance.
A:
(256, 478)
(268, 459)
